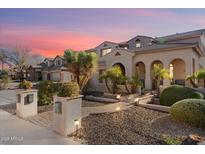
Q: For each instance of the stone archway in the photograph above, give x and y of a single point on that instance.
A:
(122, 67)
(140, 71)
(177, 70)
(156, 62)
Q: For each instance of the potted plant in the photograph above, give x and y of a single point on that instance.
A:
(25, 85)
(67, 108)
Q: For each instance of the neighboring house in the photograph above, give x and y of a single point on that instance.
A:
(50, 69)
(179, 53)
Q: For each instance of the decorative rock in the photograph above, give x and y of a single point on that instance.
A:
(193, 140)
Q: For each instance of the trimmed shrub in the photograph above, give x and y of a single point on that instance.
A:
(25, 85)
(176, 93)
(70, 89)
(45, 93)
(191, 111)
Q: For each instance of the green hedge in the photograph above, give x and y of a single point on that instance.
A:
(70, 89)
(46, 90)
(176, 93)
(191, 111)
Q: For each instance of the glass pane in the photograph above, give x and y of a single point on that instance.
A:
(58, 107)
(28, 99)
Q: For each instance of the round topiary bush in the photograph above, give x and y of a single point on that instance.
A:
(70, 89)
(176, 93)
(191, 111)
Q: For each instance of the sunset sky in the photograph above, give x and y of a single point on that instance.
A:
(50, 31)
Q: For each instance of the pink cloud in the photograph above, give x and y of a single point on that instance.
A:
(48, 42)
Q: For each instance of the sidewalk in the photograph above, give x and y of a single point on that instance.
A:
(14, 130)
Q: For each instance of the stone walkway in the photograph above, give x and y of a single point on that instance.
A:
(105, 108)
(14, 130)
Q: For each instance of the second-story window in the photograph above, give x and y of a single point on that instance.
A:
(138, 43)
(47, 63)
(105, 51)
(58, 63)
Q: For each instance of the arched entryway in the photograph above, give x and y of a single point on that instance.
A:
(140, 71)
(156, 62)
(122, 67)
(177, 71)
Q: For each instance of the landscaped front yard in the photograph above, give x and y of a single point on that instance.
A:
(136, 125)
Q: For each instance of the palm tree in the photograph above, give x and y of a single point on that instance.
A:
(201, 75)
(159, 73)
(192, 78)
(135, 82)
(81, 64)
(114, 76)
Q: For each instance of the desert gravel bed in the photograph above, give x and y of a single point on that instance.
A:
(125, 127)
(133, 126)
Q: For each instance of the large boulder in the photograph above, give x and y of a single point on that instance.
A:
(176, 93)
(191, 111)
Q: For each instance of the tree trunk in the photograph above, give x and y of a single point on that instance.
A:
(107, 86)
(2, 66)
(193, 83)
(78, 79)
(126, 87)
(204, 83)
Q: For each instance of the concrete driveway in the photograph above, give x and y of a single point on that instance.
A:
(14, 130)
(7, 97)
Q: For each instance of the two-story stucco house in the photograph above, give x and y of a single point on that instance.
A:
(50, 69)
(181, 53)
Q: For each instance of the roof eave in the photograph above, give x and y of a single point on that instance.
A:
(164, 49)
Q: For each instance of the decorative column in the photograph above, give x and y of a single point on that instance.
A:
(148, 81)
(166, 82)
(189, 70)
(67, 114)
(26, 105)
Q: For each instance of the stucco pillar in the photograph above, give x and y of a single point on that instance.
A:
(148, 76)
(189, 70)
(166, 82)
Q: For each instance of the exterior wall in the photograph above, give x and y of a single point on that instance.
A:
(55, 76)
(179, 71)
(65, 76)
(166, 57)
(60, 76)
(125, 58)
(58, 59)
(44, 75)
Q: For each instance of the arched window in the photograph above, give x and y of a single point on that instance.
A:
(138, 43)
